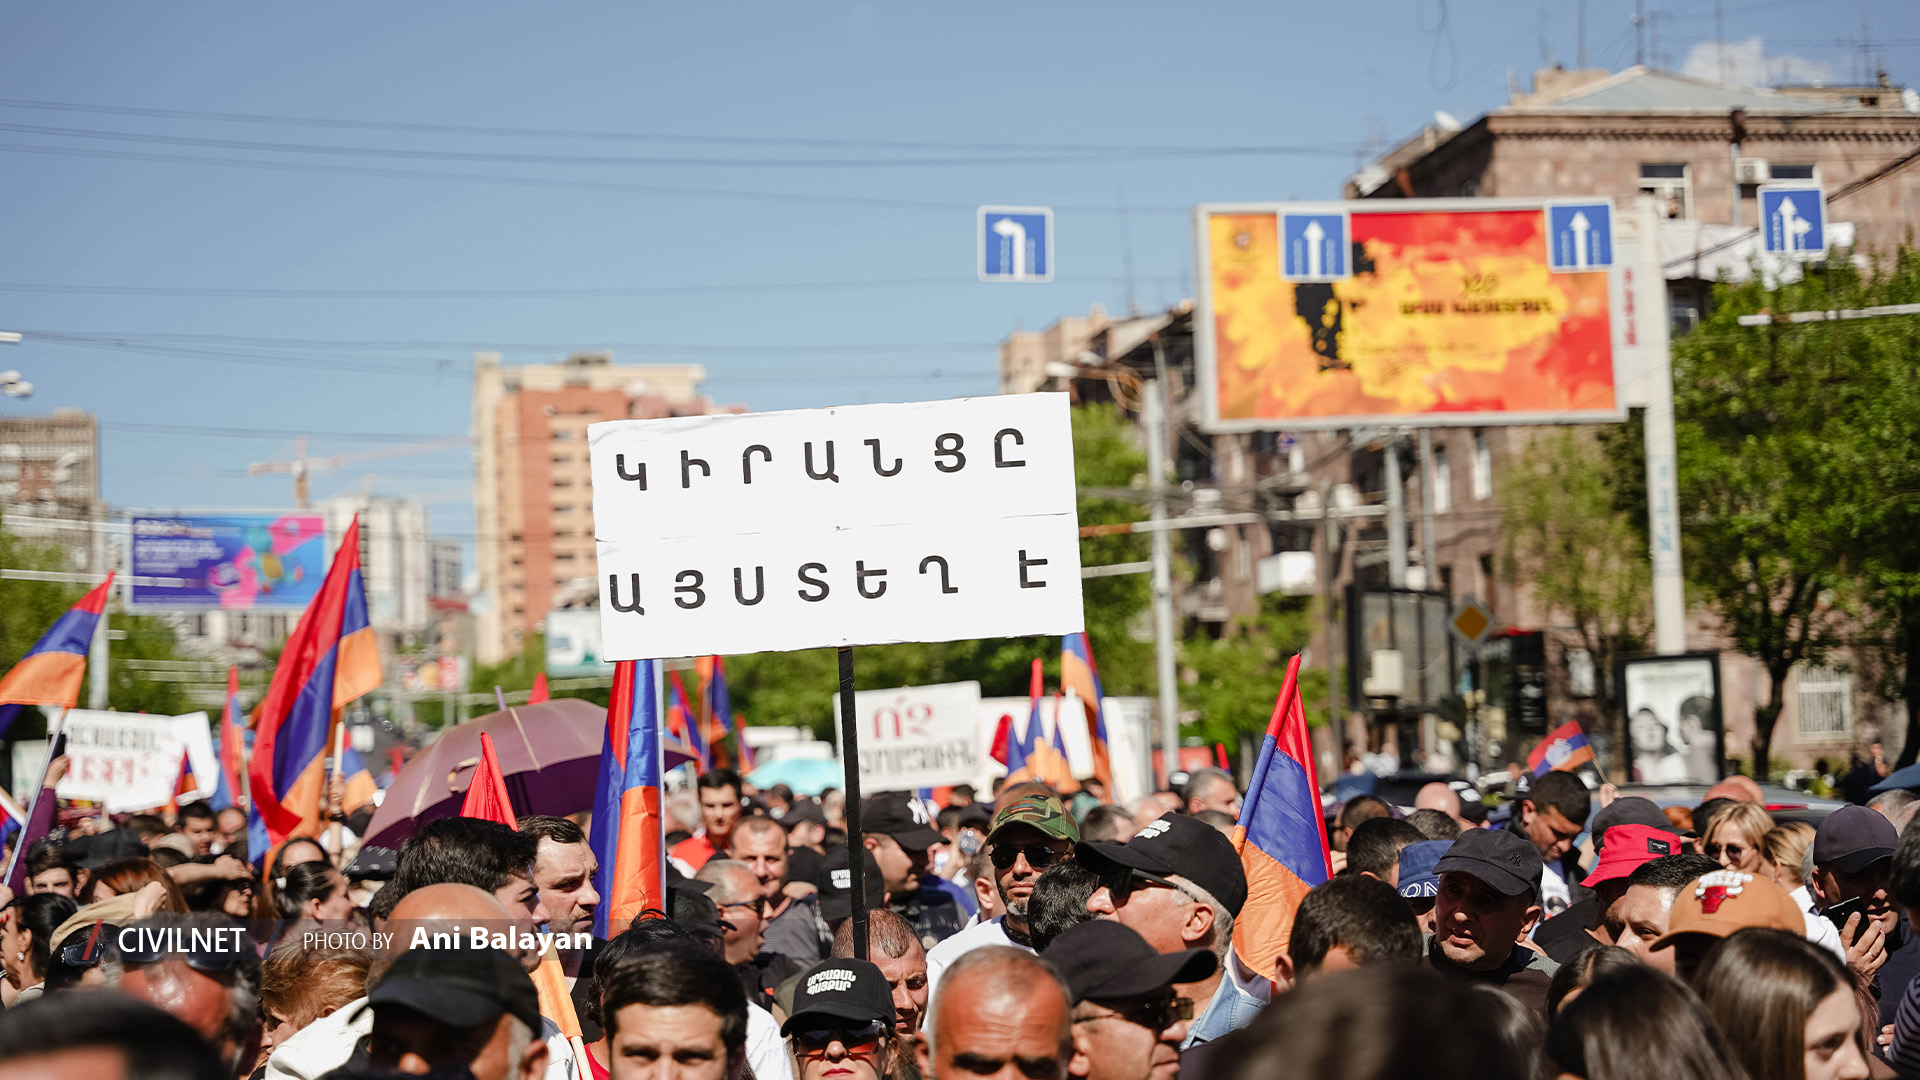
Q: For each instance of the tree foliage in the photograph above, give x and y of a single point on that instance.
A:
(1584, 559)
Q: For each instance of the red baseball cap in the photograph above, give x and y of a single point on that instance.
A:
(1625, 847)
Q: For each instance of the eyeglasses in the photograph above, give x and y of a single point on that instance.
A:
(1039, 856)
(86, 952)
(1135, 880)
(859, 1042)
(1734, 852)
(756, 905)
(1158, 1014)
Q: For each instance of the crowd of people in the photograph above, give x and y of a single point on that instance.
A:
(1026, 933)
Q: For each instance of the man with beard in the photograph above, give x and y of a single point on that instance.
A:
(1026, 836)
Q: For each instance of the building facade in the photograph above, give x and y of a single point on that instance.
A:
(50, 484)
(533, 493)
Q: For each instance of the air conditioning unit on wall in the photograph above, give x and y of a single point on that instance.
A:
(1751, 170)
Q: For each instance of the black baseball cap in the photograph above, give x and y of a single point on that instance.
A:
(836, 884)
(1103, 959)
(849, 991)
(459, 987)
(803, 810)
(1175, 845)
(1853, 838)
(1628, 810)
(1506, 861)
(899, 815)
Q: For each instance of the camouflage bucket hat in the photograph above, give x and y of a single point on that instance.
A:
(1044, 812)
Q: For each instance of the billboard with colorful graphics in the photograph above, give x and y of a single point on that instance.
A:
(1416, 312)
(260, 562)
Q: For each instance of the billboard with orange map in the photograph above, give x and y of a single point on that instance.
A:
(1413, 312)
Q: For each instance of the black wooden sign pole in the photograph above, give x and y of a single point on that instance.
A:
(856, 847)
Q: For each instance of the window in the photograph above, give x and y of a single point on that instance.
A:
(1794, 172)
(561, 434)
(1826, 704)
(1670, 186)
(1482, 468)
(1442, 482)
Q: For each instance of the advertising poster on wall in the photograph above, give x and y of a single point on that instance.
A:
(256, 562)
(1674, 728)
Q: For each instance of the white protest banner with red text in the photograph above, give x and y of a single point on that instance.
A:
(131, 761)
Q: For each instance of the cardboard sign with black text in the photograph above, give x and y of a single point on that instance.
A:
(862, 525)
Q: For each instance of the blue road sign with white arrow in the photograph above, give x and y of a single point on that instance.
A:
(1579, 236)
(1793, 219)
(1313, 246)
(1016, 243)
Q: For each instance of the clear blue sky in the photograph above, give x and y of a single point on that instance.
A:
(1044, 80)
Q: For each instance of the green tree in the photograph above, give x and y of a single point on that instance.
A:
(1233, 681)
(1776, 487)
(1567, 537)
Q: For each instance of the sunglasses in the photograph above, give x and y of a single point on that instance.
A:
(86, 952)
(1156, 1015)
(1039, 856)
(1735, 852)
(1132, 882)
(860, 1041)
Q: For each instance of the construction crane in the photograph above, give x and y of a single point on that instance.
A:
(301, 467)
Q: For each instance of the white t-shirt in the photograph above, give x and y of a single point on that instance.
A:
(1820, 929)
(978, 936)
(766, 1050)
(327, 1043)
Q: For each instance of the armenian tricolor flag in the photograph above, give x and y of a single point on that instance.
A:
(719, 702)
(51, 672)
(330, 659)
(13, 819)
(229, 748)
(1021, 747)
(682, 718)
(358, 779)
(1281, 836)
(1078, 674)
(1565, 750)
(629, 836)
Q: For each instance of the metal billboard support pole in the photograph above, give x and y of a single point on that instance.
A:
(1396, 516)
(1663, 496)
(1158, 429)
(98, 649)
(1428, 557)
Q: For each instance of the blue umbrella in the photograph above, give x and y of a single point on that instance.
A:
(806, 776)
(1908, 777)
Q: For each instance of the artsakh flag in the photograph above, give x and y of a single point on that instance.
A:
(1565, 750)
(487, 797)
(539, 692)
(1281, 836)
(51, 672)
(629, 835)
(1078, 674)
(330, 659)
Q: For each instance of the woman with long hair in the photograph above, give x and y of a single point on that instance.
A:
(313, 891)
(293, 852)
(130, 875)
(1786, 1007)
(1735, 837)
(25, 937)
(1637, 1023)
(1593, 963)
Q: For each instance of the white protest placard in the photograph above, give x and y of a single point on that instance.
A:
(918, 736)
(131, 761)
(870, 524)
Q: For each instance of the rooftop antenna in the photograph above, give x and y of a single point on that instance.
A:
(1581, 52)
(1639, 32)
(1719, 41)
(1126, 252)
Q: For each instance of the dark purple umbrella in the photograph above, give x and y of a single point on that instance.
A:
(550, 754)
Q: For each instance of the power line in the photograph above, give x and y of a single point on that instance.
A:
(590, 293)
(336, 344)
(626, 136)
(592, 160)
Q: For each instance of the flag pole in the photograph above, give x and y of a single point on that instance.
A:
(339, 751)
(54, 737)
(856, 850)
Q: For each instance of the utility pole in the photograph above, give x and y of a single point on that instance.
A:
(1428, 556)
(1396, 517)
(97, 684)
(1639, 32)
(1158, 428)
(1583, 36)
(1330, 566)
